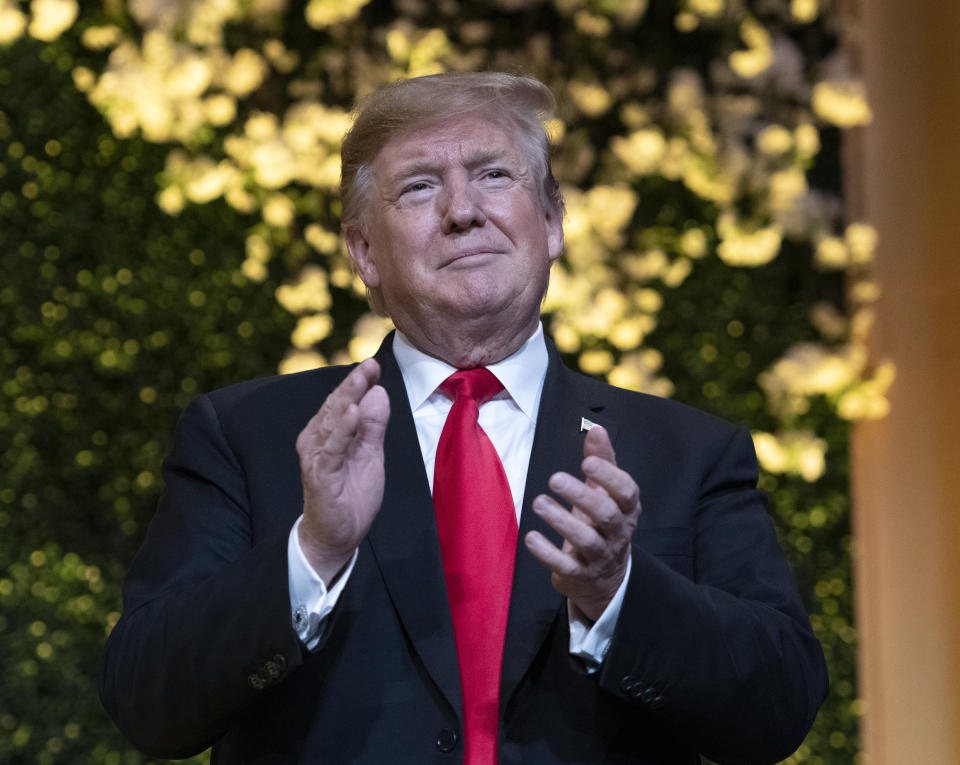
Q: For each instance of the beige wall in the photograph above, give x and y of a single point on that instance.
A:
(906, 485)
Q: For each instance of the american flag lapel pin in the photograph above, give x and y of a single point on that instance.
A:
(586, 424)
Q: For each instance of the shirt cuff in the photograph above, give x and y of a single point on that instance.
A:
(590, 643)
(310, 600)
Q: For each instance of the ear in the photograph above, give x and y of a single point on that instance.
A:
(553, 220)
(361, 254)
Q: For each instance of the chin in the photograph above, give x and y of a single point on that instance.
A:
(474, 304)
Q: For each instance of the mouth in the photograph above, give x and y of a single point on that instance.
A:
(470, 257)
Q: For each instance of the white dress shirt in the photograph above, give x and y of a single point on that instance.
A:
(509, 420)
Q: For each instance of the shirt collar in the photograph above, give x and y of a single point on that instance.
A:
(522, 373)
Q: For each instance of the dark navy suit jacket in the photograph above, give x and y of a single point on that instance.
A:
(713, 652)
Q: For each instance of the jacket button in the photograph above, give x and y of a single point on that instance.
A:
(657, 702)
(446, 740)
(648, 695)
(256, 682)
(629, 686)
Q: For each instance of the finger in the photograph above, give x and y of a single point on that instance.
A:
(327, 436)
(583, 537)
(373, 414)
(618, 484)
(335, 424)
(550, 555)
(350, 391)
(353, 387)
(591, 501)
(597, 444)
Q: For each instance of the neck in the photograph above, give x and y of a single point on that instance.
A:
(471, 343)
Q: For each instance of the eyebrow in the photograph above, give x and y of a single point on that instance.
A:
(417, 167)
(429, 167)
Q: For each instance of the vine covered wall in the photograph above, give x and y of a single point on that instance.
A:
(169, 224)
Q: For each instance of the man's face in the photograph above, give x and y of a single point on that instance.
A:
(454, 230)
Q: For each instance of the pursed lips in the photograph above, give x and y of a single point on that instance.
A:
(463, 257)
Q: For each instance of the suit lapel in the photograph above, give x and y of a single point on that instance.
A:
(404, 541)
(557, 445)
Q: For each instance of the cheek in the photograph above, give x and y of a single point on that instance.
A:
(408, 242)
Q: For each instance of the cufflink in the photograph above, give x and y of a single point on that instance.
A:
(300, 615)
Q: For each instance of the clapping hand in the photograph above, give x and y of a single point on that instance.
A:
(597, 529)
(342, 469)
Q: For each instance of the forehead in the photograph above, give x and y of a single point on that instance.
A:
(461, 140)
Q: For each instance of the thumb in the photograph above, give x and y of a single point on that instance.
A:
(374, 413)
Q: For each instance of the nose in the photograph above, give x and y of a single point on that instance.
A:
(461, 205)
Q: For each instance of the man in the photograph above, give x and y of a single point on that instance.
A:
(316, 604)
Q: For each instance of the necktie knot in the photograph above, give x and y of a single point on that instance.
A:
(480, 384)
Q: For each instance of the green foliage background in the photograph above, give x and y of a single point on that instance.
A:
(113, 313)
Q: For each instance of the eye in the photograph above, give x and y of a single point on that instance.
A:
(418, 186)
(496, 176)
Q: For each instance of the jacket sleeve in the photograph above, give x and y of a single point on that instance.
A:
(712, 637)
(206, 625)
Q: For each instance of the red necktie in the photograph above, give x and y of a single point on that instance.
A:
(477, 524)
